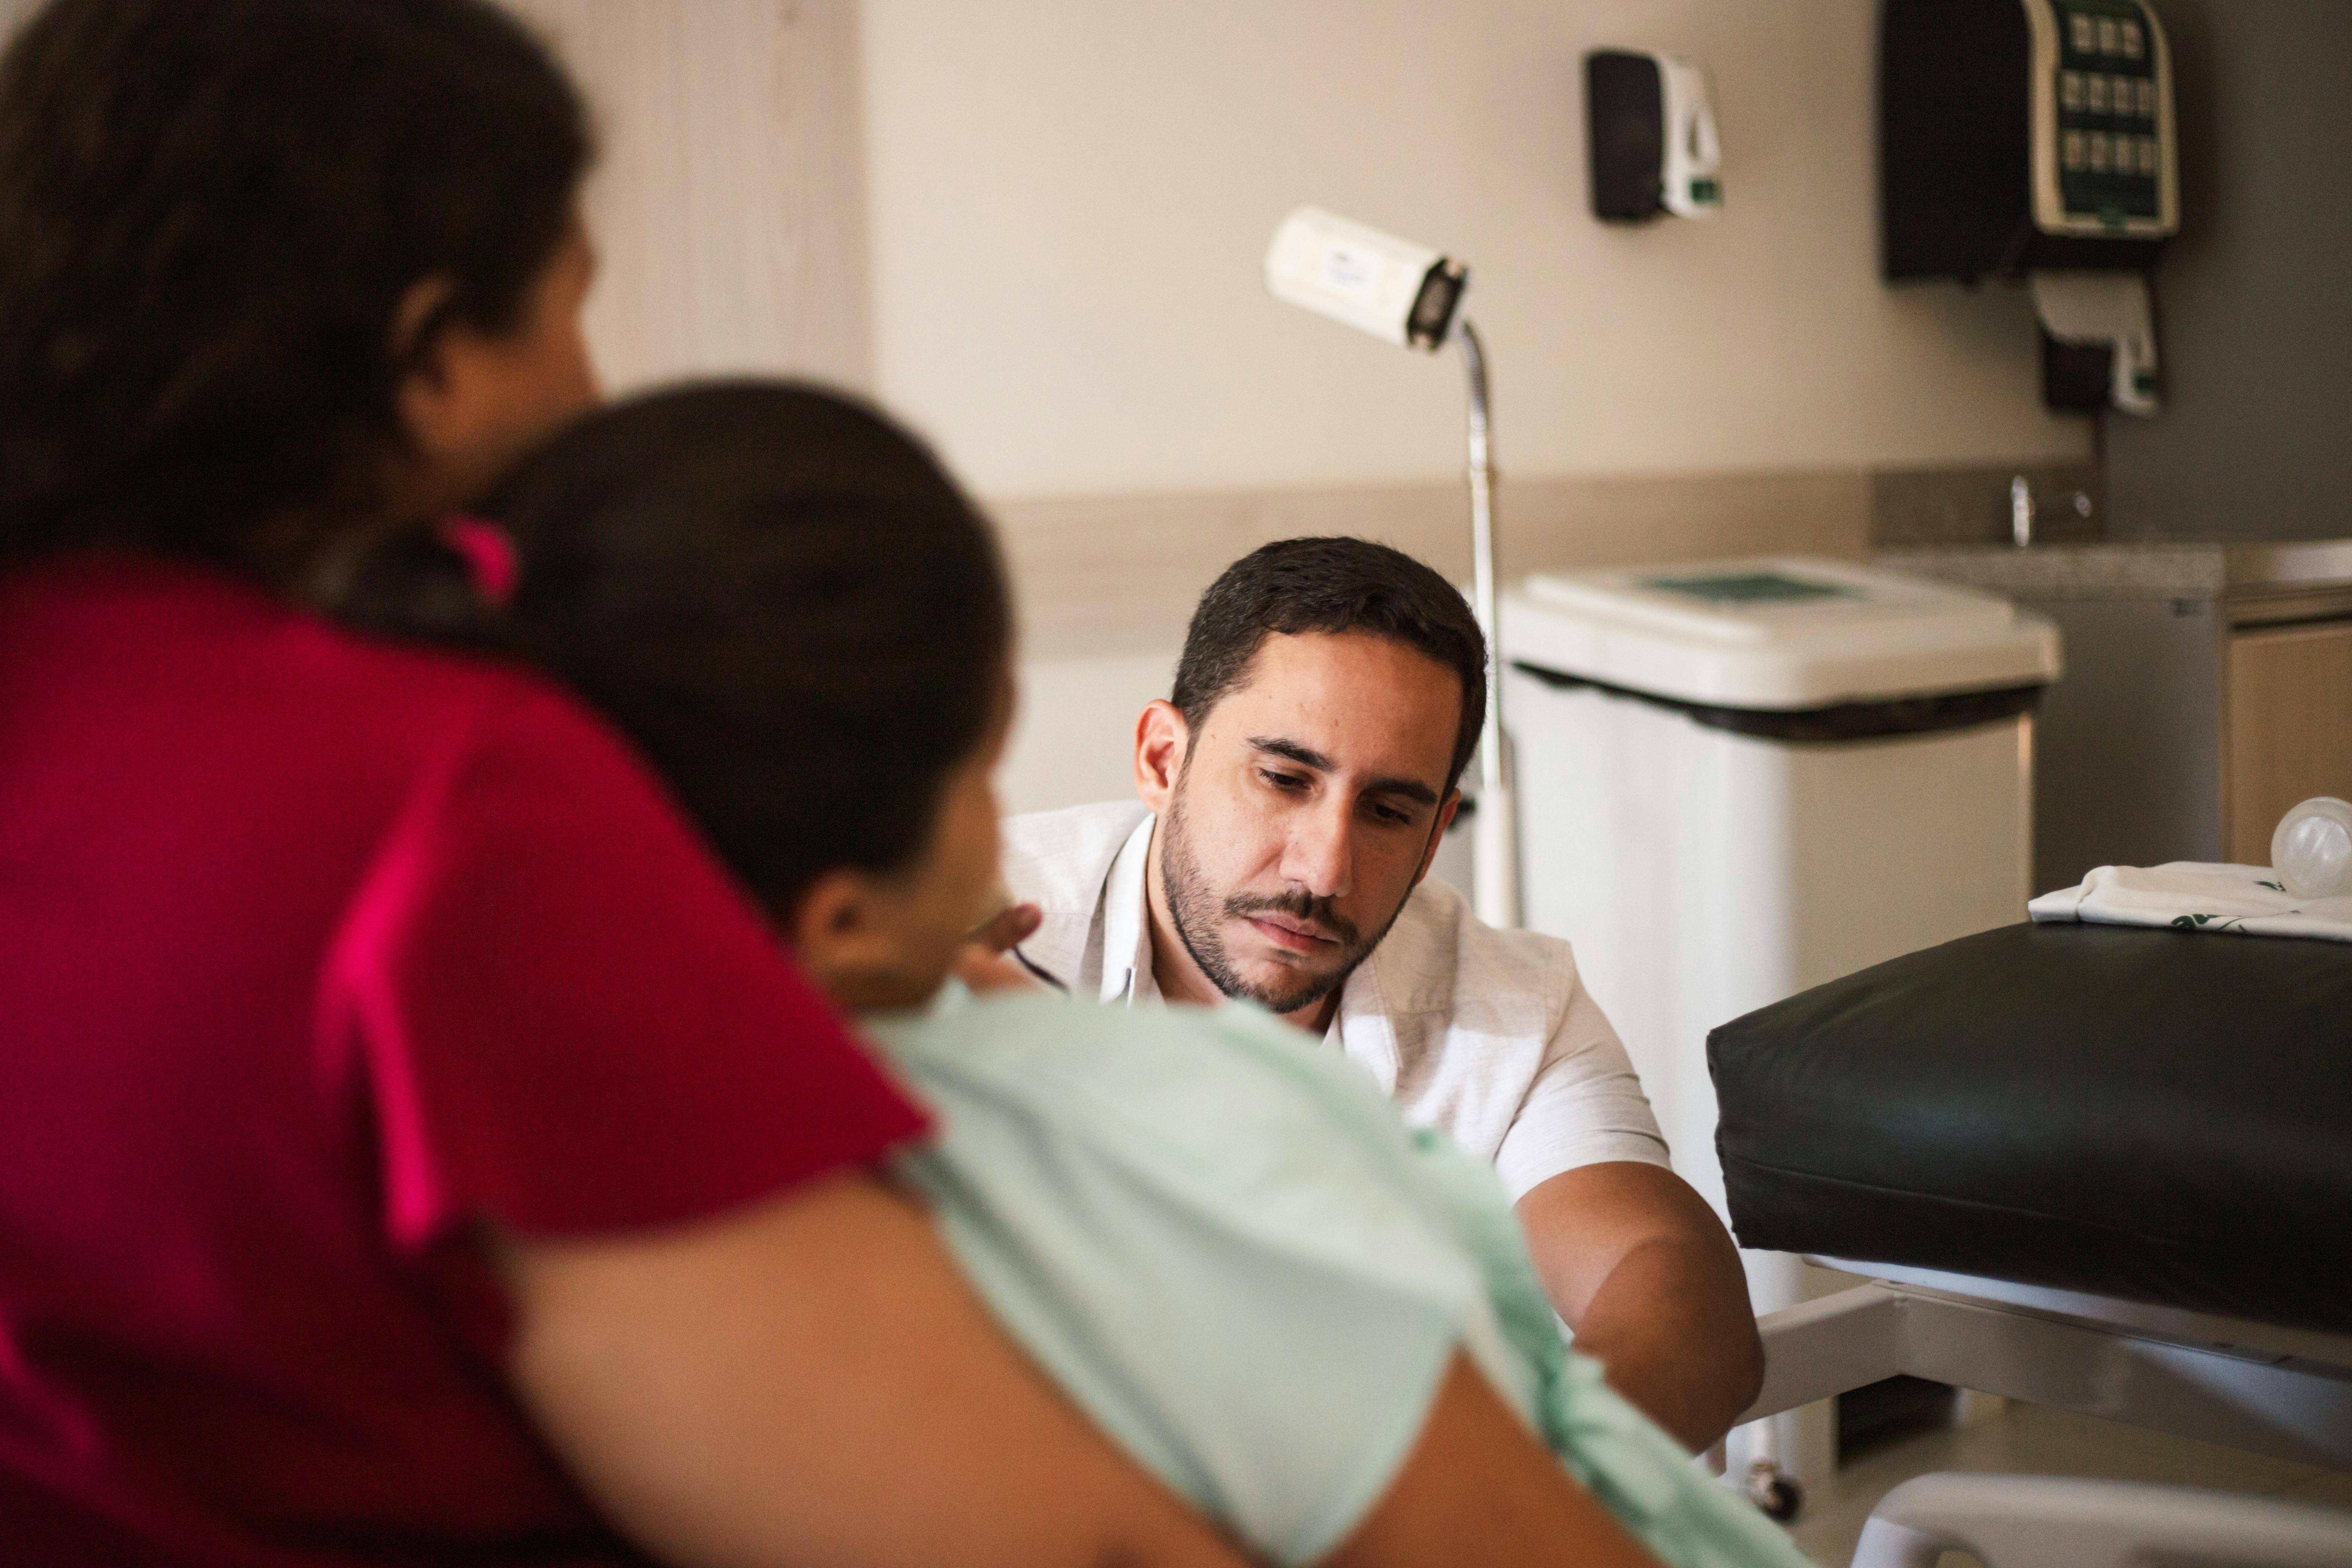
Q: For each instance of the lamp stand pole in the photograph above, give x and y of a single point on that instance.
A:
(1494, 839)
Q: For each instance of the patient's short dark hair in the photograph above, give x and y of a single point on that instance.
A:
(784, 600)
(1297, 587)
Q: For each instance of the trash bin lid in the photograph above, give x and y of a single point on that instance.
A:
(1776, 632)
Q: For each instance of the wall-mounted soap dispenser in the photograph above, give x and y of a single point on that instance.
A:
(1650, 137)
(2025, 137)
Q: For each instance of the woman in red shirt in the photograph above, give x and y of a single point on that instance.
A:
(325, 960)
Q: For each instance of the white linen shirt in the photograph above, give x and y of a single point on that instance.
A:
(1485, 1035)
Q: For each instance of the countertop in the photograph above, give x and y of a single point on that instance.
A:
(2135, 569)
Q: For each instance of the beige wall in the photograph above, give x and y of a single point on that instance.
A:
(1070, 200)
(1034, 226)
(729, 203)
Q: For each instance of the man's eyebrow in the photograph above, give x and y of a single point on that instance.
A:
(1273, 745)
(1294, 750)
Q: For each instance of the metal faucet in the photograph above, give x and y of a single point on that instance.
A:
(2021, 512)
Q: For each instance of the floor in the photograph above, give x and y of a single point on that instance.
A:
(2028, 1439)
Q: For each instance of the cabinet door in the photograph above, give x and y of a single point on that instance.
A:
(2290, 722)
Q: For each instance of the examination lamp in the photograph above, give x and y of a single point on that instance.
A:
(1411, 296)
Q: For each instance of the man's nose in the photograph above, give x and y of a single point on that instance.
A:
(1321, 854)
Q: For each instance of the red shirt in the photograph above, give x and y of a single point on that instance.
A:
(312, 948)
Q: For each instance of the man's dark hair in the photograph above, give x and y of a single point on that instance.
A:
(784, 600)
(210, 211)
(1297, 587)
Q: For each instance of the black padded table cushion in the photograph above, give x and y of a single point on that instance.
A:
(2160, 1115)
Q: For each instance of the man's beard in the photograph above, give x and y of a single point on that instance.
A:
(1193, 908)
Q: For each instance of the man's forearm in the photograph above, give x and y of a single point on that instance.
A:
(1677, 1338)
(1641, 1268)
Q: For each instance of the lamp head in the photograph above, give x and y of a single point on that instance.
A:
(1407, 294)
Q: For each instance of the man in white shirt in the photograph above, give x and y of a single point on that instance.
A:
(1292, 793)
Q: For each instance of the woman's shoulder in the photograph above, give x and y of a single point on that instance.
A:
(195, 645)
(302, 745)
(147, 625)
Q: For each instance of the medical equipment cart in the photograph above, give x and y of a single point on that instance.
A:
(1741, 779)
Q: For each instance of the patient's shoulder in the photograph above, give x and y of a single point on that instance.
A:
(1251, 1102)
(1058, 859)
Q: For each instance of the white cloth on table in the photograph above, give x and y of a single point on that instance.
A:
(2242, 901)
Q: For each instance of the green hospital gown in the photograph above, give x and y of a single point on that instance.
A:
(1222, 1243)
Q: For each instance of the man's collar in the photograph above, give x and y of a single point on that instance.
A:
(1127, 922)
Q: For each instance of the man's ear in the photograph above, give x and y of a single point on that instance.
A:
(1444, 820)
(1163, 740)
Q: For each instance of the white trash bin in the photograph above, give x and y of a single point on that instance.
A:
(1740, 779)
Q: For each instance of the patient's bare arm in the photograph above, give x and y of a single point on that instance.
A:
(1478, 1488)
(810, 1380)
(1641, 1268)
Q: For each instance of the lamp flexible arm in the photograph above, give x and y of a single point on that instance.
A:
(1494, 829)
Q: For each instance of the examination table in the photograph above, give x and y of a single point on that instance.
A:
(2100, 1168)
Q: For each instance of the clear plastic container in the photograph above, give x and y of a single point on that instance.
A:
(2312, 849)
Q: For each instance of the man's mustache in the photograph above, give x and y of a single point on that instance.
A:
(1300, 906)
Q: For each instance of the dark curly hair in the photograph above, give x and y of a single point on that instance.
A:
(210, 212)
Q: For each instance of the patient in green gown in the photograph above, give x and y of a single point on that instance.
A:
(1215, 1234)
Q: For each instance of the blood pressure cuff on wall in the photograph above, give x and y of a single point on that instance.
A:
(2164, 1116)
